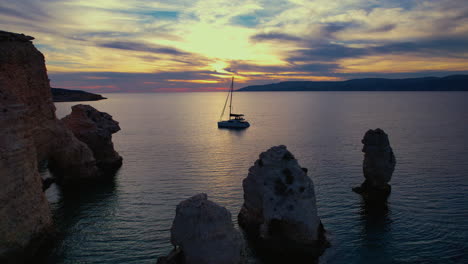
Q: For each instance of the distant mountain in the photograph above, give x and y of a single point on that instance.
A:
(65, 95)
(449, 83)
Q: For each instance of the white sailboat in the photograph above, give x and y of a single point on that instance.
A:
(235, 121)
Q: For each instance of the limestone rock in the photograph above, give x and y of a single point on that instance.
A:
(379, 162)
(279, 212)
(203, 233)
(30, 133)
(23, 76)
(25, 217)
(95, 129)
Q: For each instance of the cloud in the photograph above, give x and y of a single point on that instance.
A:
(274, 36)
(196, 43)
(136, 46)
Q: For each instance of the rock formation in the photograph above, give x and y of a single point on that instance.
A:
(203, 233)
(378, 165)
(279, 214)
(25, 217)
(30, 134)
(66, 95)
(95, 129)
(23, 76)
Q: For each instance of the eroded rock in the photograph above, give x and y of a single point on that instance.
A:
(378, 165)
(31, 133)
(25, 217)
(95, 129)
(279, 213)
(203, 233)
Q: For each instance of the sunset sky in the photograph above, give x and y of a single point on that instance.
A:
(195, 45)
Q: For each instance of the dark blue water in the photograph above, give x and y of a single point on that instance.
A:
(173, 149)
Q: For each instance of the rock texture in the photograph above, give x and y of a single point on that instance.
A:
(95, 129)
(279, 213)
(25, 217)
(203, 233)
(378, 165)
(30, 134)
(23, 76)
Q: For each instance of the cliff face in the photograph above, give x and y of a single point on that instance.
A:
(23, 75)
(30, 132)
(24, 211)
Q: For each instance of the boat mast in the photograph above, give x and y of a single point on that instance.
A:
(230, 102)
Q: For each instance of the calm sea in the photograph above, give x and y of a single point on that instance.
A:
(172, 149)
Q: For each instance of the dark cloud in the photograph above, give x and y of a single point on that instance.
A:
(384, 28)
(289, 70)
(327, 52)
(38, 15)
(322, 52)
(133, 82)
(275, 37)
(135, 46)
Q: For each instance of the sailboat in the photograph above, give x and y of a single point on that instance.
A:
(235, 120)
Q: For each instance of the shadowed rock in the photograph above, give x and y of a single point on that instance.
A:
(25, 217)
(95, 129)
(31, 133)
(203, 233)
(279, 214)
(378, 165)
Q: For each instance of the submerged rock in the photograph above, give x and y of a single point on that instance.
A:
(279, 214)
(203, 233)
(95, 129)
(378, 165)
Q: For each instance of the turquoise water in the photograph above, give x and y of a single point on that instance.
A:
(172, 149)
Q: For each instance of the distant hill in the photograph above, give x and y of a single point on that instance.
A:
(449, 83)
(65, 95)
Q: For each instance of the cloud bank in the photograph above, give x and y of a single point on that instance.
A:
(148, 46)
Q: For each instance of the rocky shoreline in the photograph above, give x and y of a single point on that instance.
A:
(66, 95)
(32, 135)
(278, 218)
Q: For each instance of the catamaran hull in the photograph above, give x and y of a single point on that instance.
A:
(235, 125)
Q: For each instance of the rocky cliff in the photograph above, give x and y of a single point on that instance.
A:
(31, 133)
(25, 216)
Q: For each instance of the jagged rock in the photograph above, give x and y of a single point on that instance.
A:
(279, 214)
(95, 129)
(25, 217)
(10, 36)
(203, 233)
(31, 133)
(378, 165)
(23, 76)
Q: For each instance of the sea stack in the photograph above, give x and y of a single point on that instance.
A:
(203, 233)
(95, 129)
(378, 165)
(279, 214)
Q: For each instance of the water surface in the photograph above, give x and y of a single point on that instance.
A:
(172, 149)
